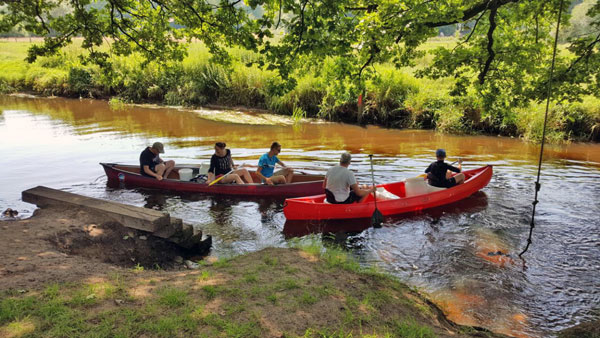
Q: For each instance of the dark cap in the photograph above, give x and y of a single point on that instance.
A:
(159, 146)
(440, 153)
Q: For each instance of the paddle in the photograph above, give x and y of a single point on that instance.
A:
(220, 178)
(377, 217)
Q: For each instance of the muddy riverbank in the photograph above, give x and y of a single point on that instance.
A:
(269, 293)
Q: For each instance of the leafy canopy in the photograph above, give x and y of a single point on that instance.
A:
(505, 45)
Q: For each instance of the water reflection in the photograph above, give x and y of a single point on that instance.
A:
(184, 130)
(298, 228)
(463, 254)
(155, 201)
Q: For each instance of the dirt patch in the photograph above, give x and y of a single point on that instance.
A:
(64, 245)
(112, 243)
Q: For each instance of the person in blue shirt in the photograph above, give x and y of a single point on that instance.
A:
(266, 167)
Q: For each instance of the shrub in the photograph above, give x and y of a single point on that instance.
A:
(388, 93)
(155, 93)
(79, 80)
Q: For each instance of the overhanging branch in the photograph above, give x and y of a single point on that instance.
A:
(490, 46)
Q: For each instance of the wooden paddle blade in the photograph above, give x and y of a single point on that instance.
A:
(377, 219)
(220, 178)
(217, 180)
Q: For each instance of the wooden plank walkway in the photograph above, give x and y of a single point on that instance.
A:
(130, 216)
(156, 223)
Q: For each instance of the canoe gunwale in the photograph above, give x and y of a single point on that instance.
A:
(134, 179)
(298, 208)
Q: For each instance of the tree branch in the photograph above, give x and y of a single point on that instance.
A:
(279, 18)
(588, 51)
(115, 24)
(369, 8)
(195, 12)
(473, 11)
(39, 15)
(490, 45)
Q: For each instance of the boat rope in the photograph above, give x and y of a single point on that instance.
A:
(537, 182)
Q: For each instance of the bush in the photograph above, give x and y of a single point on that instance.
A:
(80, 81)
(387, 95)
(5, 87)
(573, 121)
(394, 98)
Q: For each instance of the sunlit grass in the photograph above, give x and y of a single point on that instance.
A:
(396, 98)
(249, 298)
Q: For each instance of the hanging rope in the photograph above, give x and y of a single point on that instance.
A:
(537, 182)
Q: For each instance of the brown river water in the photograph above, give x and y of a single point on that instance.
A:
(444, 251)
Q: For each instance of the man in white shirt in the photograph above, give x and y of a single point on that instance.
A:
(340, 184)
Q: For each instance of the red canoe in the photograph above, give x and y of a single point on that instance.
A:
(129, 176)
(398, 199)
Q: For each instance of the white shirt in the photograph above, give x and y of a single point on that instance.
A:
(339, 180)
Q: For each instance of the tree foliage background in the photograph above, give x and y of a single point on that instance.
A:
(503, 53)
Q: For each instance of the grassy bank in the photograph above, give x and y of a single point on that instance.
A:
(308, 292)
(396, 99)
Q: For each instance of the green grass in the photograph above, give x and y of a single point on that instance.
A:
(205, 275)
(172, 297)
(251, 298)
(395, 99)
(287, 284)
(210, 291)
(410, 329)
(250, 278)
(307, 298)
(247, 329)
(222, 263)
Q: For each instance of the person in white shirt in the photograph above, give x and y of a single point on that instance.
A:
(341, 186)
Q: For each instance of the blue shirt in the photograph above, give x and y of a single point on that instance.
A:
(267, 164)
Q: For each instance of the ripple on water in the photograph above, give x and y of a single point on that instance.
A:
(445, 251)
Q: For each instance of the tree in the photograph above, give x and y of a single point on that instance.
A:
(505, 56)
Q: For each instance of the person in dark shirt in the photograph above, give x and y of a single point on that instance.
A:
(151, 165)
(221, 164)
(439, 173)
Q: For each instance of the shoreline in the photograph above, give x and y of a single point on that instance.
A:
(272, 292)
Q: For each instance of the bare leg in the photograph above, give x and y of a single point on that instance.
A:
(231, 178)
(460, 178)
(289, 175)
(169, 165)
(278, 179)
(160, 169)
(245, 174)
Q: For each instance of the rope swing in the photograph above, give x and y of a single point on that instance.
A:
(537, 182)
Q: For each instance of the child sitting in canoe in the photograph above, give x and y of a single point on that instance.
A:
(221, 164)
(439, 173)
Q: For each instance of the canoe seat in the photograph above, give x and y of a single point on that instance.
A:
(383, 194)
(416, 186)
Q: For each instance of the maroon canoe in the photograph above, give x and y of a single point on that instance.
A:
(315, 208)
(129, 175)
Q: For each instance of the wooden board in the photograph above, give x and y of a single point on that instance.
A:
(130, 216)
